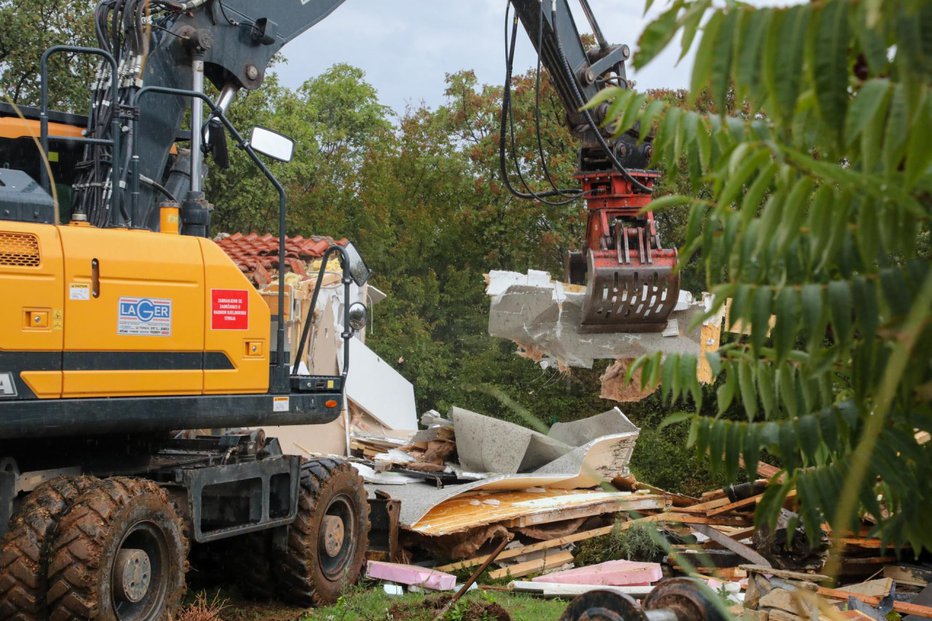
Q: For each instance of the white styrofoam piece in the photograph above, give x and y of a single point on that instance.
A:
(380, 390)
(571, 590)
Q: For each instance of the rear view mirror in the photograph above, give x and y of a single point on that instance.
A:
(358, 269)
(272, 144)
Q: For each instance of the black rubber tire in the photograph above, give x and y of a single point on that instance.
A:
(249, 565)
(118, 511)
(24, 549)
(308, 575)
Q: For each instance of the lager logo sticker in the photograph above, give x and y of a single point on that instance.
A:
(7, 385)
(229, 309)
(144, 317)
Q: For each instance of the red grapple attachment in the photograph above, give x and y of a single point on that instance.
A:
(632, 283)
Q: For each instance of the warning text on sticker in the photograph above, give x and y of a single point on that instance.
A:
(229, 309)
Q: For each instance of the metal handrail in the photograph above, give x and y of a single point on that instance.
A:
(114, 141)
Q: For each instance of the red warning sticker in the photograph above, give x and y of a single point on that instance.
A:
(229, 309)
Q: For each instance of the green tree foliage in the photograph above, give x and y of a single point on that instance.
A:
(422, 195)
(334, 119)
(423, 200)
(27, 27)
(818, 217)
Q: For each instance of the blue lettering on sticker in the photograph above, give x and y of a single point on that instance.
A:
(145, 309)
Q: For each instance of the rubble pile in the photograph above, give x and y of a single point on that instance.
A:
(463, 493)
(472, 491)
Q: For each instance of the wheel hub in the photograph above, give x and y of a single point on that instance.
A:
(333, 535)
(133, 573)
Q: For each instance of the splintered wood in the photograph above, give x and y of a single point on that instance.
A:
(527, 508)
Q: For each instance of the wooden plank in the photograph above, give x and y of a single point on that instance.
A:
(705, 506)
(528, 549)
(743, 533)
(867, 543)
(571, 513)
(550, 561)
(764, 469)
(679, 500)
(901, 607)
(905, 574)
(738, 548)
(784, 573)
(751, 500)
(687, 518)
(712, 495)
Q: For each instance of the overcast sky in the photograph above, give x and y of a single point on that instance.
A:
(407, 46)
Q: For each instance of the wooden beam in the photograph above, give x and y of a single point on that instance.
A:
(738, 548)
(705, 506)
(550, 561)
(528, 549)
(645, 503)
(751, 500)
(900, 607)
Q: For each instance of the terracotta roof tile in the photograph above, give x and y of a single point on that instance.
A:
(257, 255)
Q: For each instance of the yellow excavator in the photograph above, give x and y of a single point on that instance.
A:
(123, 323)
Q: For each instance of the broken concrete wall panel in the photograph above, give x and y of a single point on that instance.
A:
(598, 461)
(487, 444)
(598, 447)
(579, 432)
(546, 317)
(380, 390)
(543, 317)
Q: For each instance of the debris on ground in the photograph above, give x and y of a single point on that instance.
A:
(545, 494)
(411, 575)
(447, 492)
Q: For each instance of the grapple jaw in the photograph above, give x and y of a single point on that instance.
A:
(632, 287)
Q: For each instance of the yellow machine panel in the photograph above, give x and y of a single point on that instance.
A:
(31, 311)
(133, 308)
(237, 321)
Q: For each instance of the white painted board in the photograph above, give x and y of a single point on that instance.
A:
(380, 390)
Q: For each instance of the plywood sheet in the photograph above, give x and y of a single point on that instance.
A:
(519, 508)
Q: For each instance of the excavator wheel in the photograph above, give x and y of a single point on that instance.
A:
(24, 549)
(120, 555)
(327, 541)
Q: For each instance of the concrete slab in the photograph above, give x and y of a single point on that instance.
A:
(487, 444)
(542, 316)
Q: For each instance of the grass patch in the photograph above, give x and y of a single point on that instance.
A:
(370, 603)
(635, 543)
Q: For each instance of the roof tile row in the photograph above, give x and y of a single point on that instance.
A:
(257, 255)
